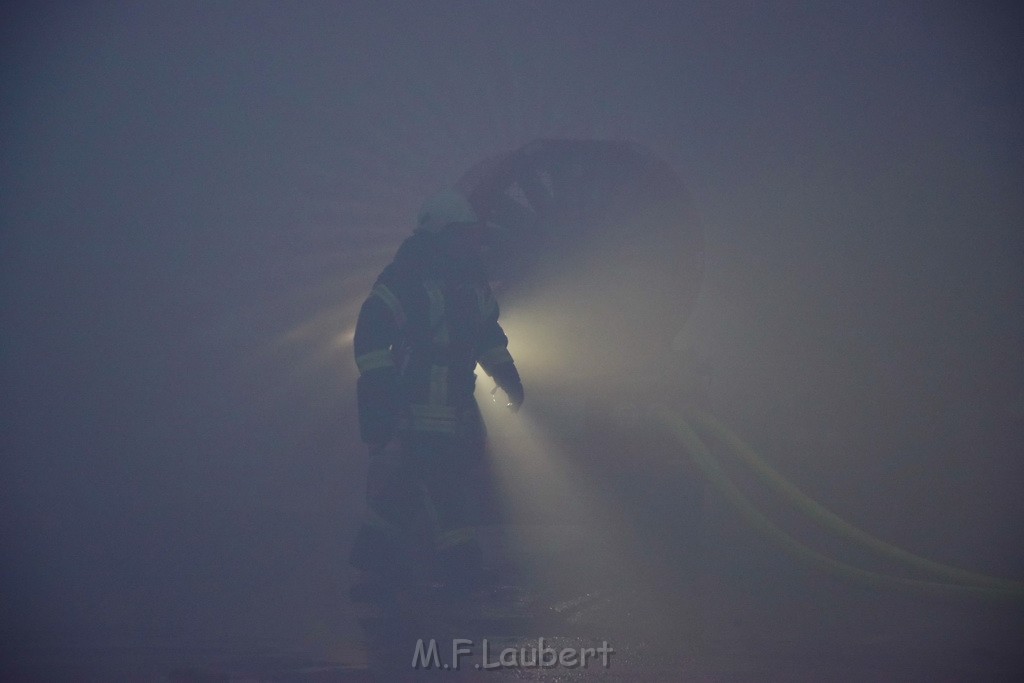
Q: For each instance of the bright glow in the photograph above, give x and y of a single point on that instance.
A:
(343, 340)
(321, 343)
(555, 525)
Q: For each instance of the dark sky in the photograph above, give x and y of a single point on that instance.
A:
(194, 195)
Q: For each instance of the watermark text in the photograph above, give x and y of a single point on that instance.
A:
(484, 655)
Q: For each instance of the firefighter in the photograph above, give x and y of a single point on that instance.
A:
(429, 320)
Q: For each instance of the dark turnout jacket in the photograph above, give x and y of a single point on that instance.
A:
(425, 326)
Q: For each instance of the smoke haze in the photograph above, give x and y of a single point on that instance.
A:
(197, 196)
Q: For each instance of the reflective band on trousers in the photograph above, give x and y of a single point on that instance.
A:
(432, 418)
(373, 360)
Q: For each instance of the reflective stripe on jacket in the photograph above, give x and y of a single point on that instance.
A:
(420, 334)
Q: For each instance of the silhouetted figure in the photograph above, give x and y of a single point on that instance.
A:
(429, 320)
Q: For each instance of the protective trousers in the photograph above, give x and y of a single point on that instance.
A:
(419, 524)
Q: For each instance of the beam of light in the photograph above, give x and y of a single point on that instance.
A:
(569, 338)
(571, 526)
(343, 340)
(320, 341)
(593, 348)
(579, 540)
(557, 529)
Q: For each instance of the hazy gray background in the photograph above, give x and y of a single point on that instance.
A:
(194, 195)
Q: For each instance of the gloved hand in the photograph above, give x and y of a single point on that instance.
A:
(515, 395)
(506, 376)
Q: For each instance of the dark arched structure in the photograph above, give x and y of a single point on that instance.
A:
(607, 221)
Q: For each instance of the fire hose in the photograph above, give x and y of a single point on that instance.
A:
(946, 580)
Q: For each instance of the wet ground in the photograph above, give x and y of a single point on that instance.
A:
(725, 622)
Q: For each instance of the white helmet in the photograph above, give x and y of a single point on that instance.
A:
(445, 208)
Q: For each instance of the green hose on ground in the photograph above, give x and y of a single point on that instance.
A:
(709, 466)
(831, 521)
